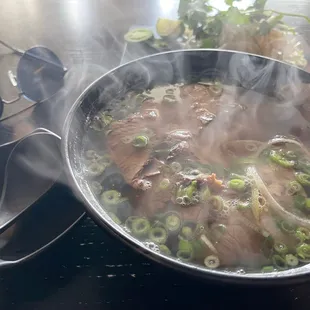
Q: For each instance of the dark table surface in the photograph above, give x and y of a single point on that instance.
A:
(87, 269)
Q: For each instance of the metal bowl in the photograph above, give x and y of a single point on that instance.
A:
(249, 71)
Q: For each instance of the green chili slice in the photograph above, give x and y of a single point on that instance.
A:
(173, 222)
(212, 262)
(158, 235)
(164, 249)
(279, 262)
(280, 248)
(140, 227)
(237, 185)
(291, 260)
(277, 158)
(303, 178)
(140, 141)
(303, 251)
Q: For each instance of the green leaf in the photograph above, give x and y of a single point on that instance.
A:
(234, 16)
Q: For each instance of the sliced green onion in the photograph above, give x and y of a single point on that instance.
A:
(245, 161)
(91, 154)
(287, 227)
(140, 227)
(280, 248)
(279, 262)
(187, 233)
(216, 89)
(277, 158)
(164, 249)
(158, 235)
(176, 167)
(294, 188)
(290, 155)
(185, 245)
(299, 202)
(95, 169)
(237, 176)
(212, 262)
(237, 185)
(307, 205)
(173, 222)
(164, 184)
(129, 221)
(243, 206)
(169, 100)
(291, 260)
(111, 197)
(115, 218)
(96, 187)
(303, 233)
(205, 194)
(267, 269)
(217, 203)
(303, 178)
(185, 255)
(140, 141)
(304, 166)
(303, 251)
(101, 121)
(199, 249)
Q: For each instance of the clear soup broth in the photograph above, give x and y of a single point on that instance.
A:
(205, 173)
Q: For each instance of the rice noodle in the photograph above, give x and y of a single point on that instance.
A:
(272, 203)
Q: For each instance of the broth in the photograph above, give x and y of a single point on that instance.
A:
(206, 173)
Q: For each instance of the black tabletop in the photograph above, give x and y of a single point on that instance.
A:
(88, 269)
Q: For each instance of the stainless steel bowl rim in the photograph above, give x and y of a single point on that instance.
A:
(291, 275)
